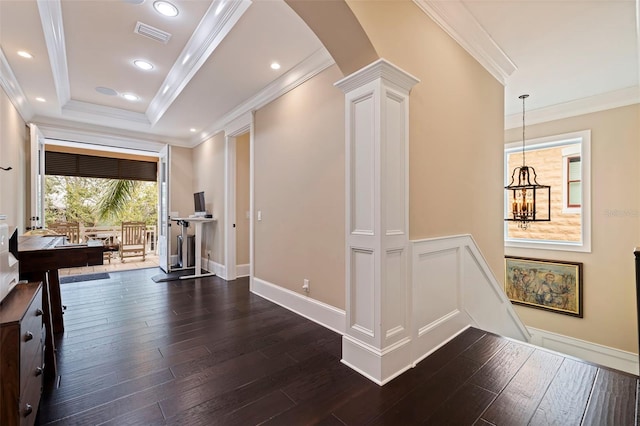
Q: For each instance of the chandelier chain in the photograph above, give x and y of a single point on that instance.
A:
(523, 97)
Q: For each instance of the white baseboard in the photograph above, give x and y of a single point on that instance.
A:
(214, 267)
(592, 352)
(242, 270)
(319, 312)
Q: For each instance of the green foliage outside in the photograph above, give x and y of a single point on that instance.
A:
(99, 202)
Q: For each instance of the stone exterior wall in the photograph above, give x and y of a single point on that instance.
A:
(548, 164)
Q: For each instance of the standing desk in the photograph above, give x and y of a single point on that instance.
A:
(197, 222)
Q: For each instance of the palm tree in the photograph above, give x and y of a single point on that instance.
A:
(115, 197)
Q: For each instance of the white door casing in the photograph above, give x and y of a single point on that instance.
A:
(164, 197)
(239, 126)
(37, 176)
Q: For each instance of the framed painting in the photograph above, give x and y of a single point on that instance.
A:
(551, 285)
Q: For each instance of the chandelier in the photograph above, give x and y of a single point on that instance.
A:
(527, 201)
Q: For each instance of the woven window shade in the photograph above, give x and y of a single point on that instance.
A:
(66, 164)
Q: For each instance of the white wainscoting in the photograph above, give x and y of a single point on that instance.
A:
(592, 352)
(319, 312)
(453, 289)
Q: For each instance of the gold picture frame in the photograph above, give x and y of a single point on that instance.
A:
(551, 285)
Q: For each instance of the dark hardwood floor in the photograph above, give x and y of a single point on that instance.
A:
(207, 352)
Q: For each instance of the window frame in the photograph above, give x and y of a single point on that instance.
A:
(583, 139)
(567, 203)
(567, 154)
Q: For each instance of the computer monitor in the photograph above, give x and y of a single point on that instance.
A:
(198, 201)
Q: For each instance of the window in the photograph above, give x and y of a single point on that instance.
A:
(561, 161)
(574, 192)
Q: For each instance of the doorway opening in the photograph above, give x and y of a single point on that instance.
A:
(98, 195)
(243, 208)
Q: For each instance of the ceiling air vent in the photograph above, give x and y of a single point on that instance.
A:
(151, 32)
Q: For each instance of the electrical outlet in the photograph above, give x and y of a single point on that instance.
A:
(305, 286)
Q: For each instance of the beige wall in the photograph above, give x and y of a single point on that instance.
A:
(609, 281)
(242, 199)
(299, 189)
(14, 153)
(456, 128)
(207, 162)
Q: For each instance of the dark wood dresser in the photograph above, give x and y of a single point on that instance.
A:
(21, 354)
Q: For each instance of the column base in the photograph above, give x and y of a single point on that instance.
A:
(378, 365)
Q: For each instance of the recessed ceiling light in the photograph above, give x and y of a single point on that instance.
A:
(275, 66)
(39, 99)
(165, 8)
(143, 65)
(25, 54)
(130, 97)
(106, 91)
(192, 130)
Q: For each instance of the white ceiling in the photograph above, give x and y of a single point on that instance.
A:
(217, 58)
(571, 56)
(563, 50)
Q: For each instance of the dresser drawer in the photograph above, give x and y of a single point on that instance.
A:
(31, 341)
(32, 390)
(32, 369)
(32, 320)
(30, 400)
(21, 351)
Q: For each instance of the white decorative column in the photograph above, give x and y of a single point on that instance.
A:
(377, 341)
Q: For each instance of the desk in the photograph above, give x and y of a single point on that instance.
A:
(197, 221)
(39, 258)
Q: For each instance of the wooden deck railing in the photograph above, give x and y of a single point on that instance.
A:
(112, 235)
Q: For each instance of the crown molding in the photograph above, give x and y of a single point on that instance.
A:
(211, 30)
(602, 102)
(53, 28)
(456, 20)
(12, 88)
(240, 125)
(305, 70)
(86, 111)
(98, 137)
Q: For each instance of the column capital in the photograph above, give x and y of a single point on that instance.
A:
(380, 69)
